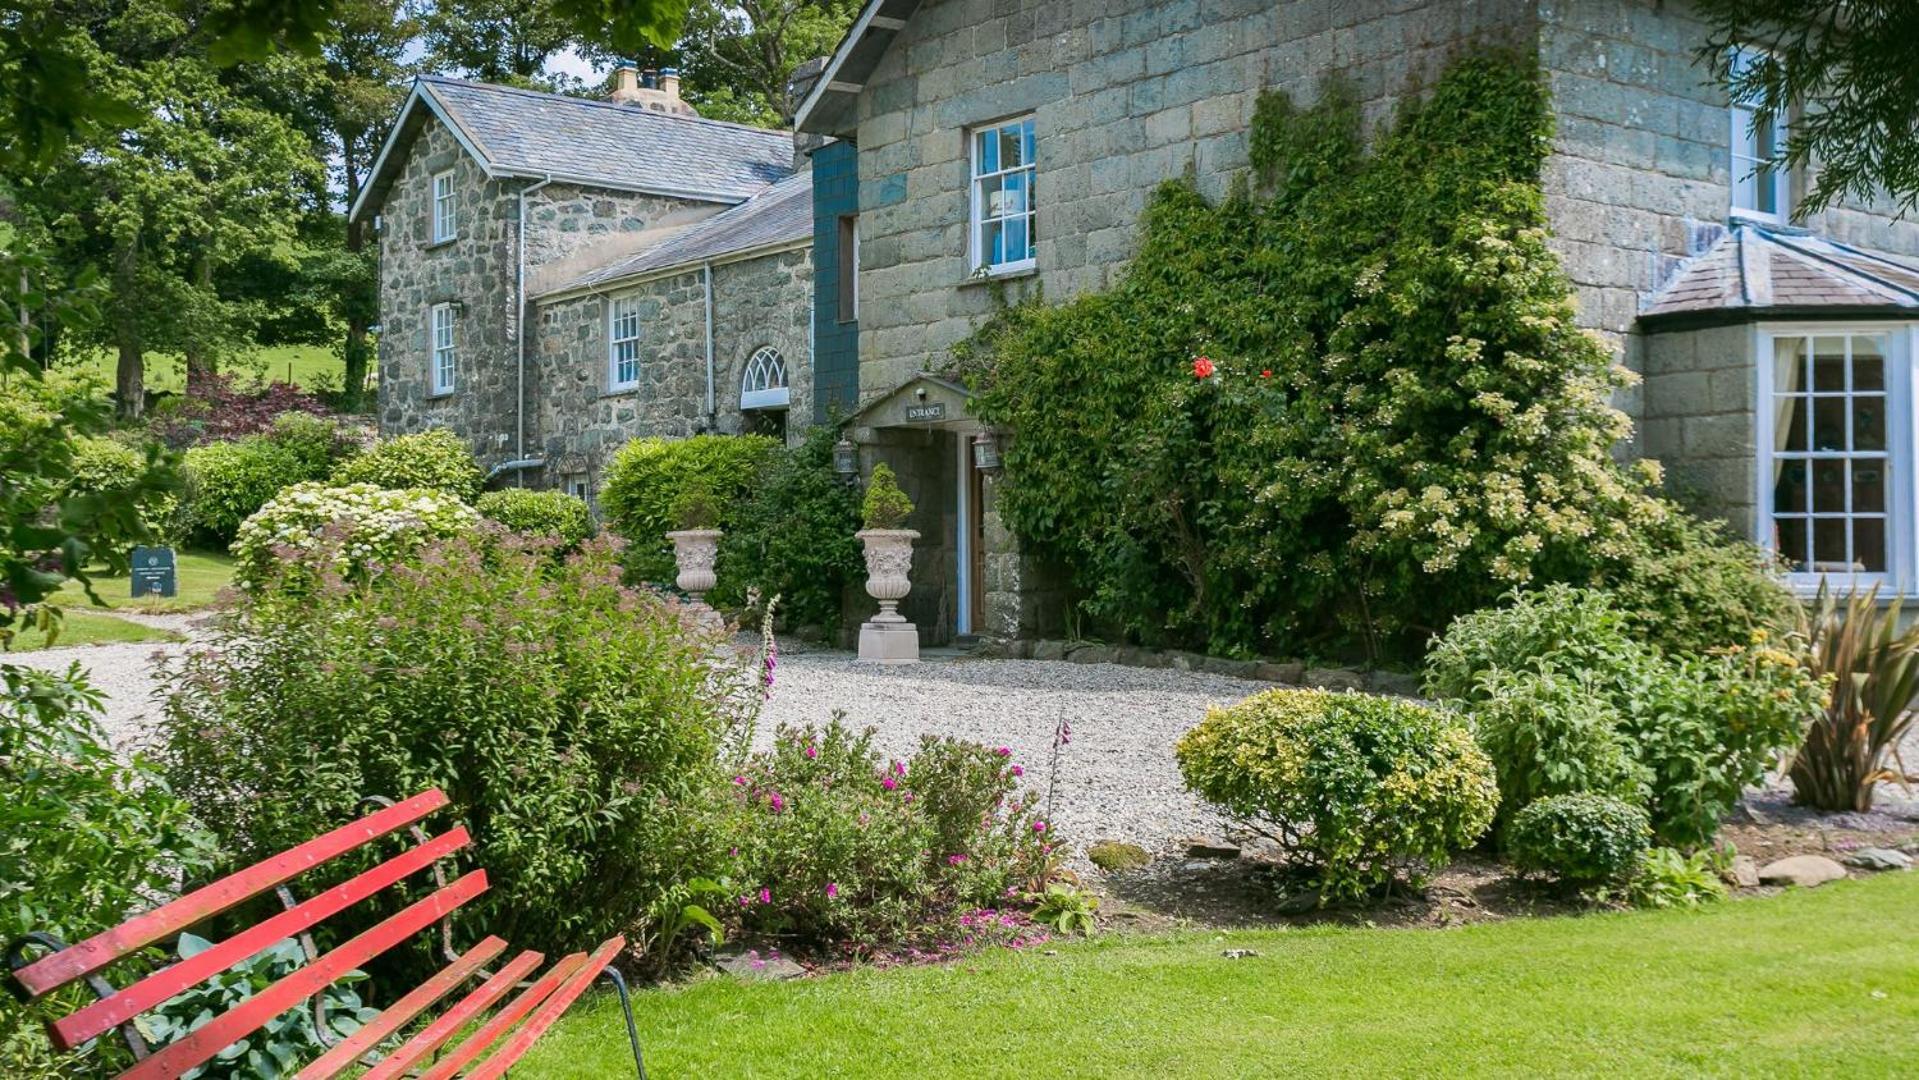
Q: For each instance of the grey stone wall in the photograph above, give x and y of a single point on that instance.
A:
(1699, 393)
(582, 227)
(1125, 94)
(474, 270)
(756, 302)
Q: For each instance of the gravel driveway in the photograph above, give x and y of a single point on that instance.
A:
(1117, 779)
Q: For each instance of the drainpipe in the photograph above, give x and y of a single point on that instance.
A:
(519, 321)
(712, 417)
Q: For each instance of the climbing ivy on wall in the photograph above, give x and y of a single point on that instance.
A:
(1338, 407)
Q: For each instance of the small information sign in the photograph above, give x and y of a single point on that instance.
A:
(921, 414)
(154, 572)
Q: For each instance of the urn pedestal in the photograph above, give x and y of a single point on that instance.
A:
(887, 638)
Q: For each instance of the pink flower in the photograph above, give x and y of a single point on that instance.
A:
(745, 900)
(899, 768)
(1017, 771)
(766, 895)
(740, 780)
(955, 860)
(1203, 368)
(832, 890)
(778, 804)
(812, 752)
(1039, 826)
(889, 783)
(1003, 751)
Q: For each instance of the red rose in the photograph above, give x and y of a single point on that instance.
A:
(1202, 368)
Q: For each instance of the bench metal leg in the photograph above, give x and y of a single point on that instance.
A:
(626, 1006)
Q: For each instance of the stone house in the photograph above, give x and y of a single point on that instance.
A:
(982, 147)
(560, 275)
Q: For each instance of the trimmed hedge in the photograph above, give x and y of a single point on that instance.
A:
(539, 513)
(1363, 788)
(1581, 839)
(793, 537)
(227, 482)
(648, 475)
(436, 460)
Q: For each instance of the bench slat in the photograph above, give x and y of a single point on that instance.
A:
(52, 972)
(510, 1013)
(108, 1013)
(252, 1014)
(451, 1021)
(550, 1012)
(397, 1015)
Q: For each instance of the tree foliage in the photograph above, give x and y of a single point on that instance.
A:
(1843, 74)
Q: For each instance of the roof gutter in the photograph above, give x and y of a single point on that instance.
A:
(519, 320)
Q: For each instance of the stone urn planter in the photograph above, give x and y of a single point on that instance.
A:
(694, 551)
(887, 637)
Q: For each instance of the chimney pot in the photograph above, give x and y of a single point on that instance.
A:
(626, 82)
(670, 82)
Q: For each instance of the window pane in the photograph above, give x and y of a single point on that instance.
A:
(1015, 239)
(1828, 364)
(1790, 417)
(1829, 487)
(1010, 148)
(1868, 486)
(1869, 422)
(1789, 491)
(1790, 534)
(1013, 195)
(1026, 143)
(992, 241)
(987, 154)
(1828, 423)
(1829, 544)
(992, 197)
(1869, 544)
(1868, 364)
(1789, 365)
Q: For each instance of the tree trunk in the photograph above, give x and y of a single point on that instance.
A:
(130, 375)
(199, 361)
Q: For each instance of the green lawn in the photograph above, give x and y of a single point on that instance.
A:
(1816, 983)
(304, 362)
(90, 626)
(202, 575)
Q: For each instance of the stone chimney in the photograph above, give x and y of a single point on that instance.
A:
(655, 91)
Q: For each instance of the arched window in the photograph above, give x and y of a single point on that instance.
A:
(764, 384)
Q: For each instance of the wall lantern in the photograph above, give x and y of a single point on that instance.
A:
(846, 460)
(986, 451)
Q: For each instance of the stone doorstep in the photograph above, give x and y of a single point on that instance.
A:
(1285, 673)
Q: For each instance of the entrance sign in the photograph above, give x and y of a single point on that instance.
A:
(155, 572)
(921, 414)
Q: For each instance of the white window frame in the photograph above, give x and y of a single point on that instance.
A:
(1901, 576)
(1747, 167)
(622, 346)
(446, 207)
(978, 219)
(769, 395)
(443, 353)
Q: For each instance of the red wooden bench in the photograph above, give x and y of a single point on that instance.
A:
(509, 1033)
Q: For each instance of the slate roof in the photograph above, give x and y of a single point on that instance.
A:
(1755, 268)
(831, 105)
(517, 132)
(782, 213)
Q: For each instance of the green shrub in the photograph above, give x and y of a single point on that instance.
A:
(1701, 729)
(695, 507)
(1666, 877)
(1574, 631)
(436, 460)
(1366, 788)
(112, 470)
(831, 844)
(793, 536)
(320, 442)
(572, 722)
(1582, 839)
(539, 513)
(227, 482)
(345, 530)
(647, 475)
(90, 838)
(1687, 587)
(885, 505)
(1551, 734)
(290, 1037)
